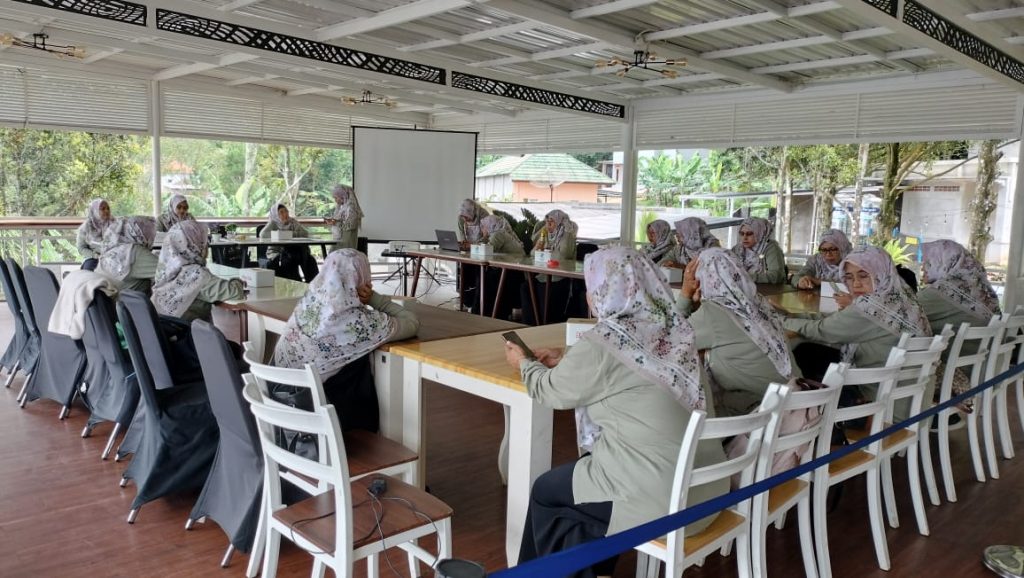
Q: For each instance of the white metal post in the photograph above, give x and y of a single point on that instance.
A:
(1014, 289)
(155, 116)
(627, 225)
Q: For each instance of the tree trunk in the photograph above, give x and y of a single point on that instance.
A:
(782, 204)
(826, 200)
(858, 193)
(250, 176)
(888, 218)
(984, 202)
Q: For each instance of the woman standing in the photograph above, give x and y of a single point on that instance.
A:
(176, 212)
(636, 376)
(286, 261)
(558, 235)
(129, 260)
(833, 247)
(742, 339)
(346, 218)
(332, 329)
(89, 238)
(661, 247)
(761, 256)
(183, 286)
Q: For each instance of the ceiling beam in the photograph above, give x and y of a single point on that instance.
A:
(232, 6)
(555, 17)
(609, 8)
(982, 29)
(390, 17)
(996, 14)
(467, 38)
(97, 56)
(196, 67)
(335, 7)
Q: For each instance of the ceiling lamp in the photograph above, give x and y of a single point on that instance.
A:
(643, 57)
(39, 43)
(369, 98)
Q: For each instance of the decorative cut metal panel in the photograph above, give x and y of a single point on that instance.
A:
(283, 44)
(887, 6)
(921, 18)
(117, 10)
(535, 95)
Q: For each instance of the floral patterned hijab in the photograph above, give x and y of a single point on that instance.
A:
(724, 282)
(181, 270)
(473, 211)
(638, 324)
(563, 225)
(95, 225)
(694, 237)
(822, 269)
(891, 305)
(663, 241)
(120, 239)
(753, 258)
(956, 275)
(346, 211)
(171, 214)
(330, 327)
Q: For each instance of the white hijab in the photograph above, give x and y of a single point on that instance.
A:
(171, 217)
(95, 225)
(346, 210)
(181, 271)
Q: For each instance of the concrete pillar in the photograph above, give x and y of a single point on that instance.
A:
(155, 117)
(1014, 291)
(627, 226)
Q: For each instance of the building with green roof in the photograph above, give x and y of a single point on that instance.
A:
(546, 177)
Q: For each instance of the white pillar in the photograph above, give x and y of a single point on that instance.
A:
(155, 116)
(627, 225)
(1014, 290)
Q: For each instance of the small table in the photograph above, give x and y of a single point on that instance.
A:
(477, 365)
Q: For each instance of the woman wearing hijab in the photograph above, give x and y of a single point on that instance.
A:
(176, 212)
(89, 239)
(742, 339)
(661, 247)
(637, 378)
(693, 236)
(286, 261)
(761, 256)
(129, 260)
(880, 309)
(183, 286)
(332, 329)
(957, 289)
(833, 247)
(503, 240)
(346, 218)
(468, 226)
(558, 235)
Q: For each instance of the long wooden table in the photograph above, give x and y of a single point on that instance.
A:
(477, 365)
(794, 302)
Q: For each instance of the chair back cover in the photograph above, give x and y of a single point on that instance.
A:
(155, 349)
(61, 360)
(13, 352)
(111, 393)
(30, 353)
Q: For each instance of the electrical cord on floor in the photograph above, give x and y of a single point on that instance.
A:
(374, 500)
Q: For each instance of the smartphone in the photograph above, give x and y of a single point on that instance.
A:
(835, 288)
(513, 337)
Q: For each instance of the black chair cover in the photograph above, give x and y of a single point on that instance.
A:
(169, 340)
(232, 493)
(30, 353)
(111, 391)
(179, 439)
(61, 359)
(13, 352)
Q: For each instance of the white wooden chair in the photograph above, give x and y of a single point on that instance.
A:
(993, 400)
(678, 551)
(915, 379)
(813, 442)
(863, 461)
(350, 521)
(974, 364)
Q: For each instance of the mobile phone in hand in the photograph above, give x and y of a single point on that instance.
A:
(513, 337)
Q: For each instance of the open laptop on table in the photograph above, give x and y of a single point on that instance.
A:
(447, 240)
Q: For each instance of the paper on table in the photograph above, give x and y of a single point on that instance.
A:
(830, 288)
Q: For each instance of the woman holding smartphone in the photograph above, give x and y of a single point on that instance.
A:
(636, 377)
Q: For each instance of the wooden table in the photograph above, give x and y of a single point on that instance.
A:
(793, 302)
(477, 365)
(572, 269)
(456, 257)
(284, 293)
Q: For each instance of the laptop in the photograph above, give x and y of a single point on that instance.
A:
(447, 240)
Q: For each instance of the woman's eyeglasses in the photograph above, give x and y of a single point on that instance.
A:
(825, 251)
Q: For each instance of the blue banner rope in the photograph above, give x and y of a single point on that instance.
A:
(586, 555)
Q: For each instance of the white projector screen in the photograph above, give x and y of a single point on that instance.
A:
(410, 182)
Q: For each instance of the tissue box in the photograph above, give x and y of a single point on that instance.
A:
(280, 235)
(481, 250)
(541, 257)
(574, 328)
(672, 275)
(255, 277)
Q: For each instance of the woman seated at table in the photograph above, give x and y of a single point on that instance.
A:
(957, 289)
(833, 247)
(332, 329)
(661, 243)
(129, 260)
(503, 241)
(346, 218)
(558, 235)
(761, 256)
(692, 236)
(467, 228)
(176, 212)
(286, 261)
(89, 238)
(636, 378)
(183, 286)
(878, 310)
(743, 343)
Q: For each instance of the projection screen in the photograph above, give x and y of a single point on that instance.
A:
(410, 182)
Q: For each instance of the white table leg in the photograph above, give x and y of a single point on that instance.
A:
(257, 334)
(387, 376)
(503, 450)
(412, 417)
(529, 457)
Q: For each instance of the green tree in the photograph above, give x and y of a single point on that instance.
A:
(593, 160)
(826, 169)
(903, 160)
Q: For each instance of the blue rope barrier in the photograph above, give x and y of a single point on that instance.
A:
(586, 555)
